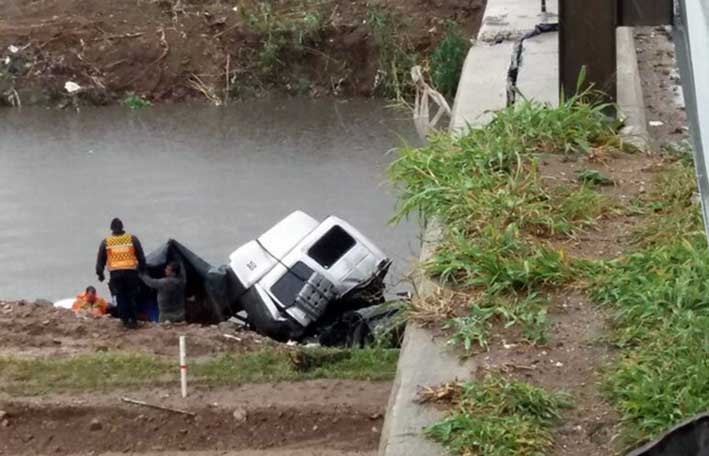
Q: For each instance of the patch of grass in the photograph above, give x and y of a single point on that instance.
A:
(490, 174)
(672, 207)
(269, 366)
(500, 261)
(529, 313)
(500, 417)
(283, 31)
(447, 61)
(681, 150)
(660, 297)
(135, 102)
(486, 190)
(34, 376)
(663, 382)
(499, 215)
(591, 176)
(263, 22)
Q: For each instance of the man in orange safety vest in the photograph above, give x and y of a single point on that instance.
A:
(90, 302)
(123, 255)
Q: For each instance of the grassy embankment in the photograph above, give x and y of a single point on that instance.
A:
(103, 371)
(502, 227)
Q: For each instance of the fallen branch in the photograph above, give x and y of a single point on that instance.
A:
(14, 98)
(197, 84)
(165, 46)
(217, 35)
(159, 407)
(111, 66)
(119, 37)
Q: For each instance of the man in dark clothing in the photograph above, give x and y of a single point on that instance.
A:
(171, 293)
(123, 255)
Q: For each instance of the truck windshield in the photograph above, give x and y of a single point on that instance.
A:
(288, 286)
(331, 247)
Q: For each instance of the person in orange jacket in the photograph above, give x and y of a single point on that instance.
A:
(90, 302)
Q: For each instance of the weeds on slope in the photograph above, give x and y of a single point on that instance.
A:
(397, 55)
(660, 296)
(284, 30)
(447, 61)
(499, 417)
(498, 212)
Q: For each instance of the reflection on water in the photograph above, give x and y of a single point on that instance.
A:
(212, 178)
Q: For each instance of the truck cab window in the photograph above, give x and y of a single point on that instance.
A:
(288, 286)
(331, 247)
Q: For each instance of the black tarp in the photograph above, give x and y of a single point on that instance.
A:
(690, 438)
(211, 292)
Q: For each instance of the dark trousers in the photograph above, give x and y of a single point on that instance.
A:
(127, 307)
(125, 285)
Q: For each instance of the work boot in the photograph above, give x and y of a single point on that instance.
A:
(130, 324)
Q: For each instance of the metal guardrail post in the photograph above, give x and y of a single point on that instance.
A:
(691, 36)
(587, 40)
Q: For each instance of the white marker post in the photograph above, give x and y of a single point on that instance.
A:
(183, 366)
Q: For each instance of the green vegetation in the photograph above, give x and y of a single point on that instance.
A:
(660, 296)
(593, 177)
(499, 417)
(528, 312)
(284, 30)
(33, 376)
(447, 61)
(499, 214)
(133, 101)
(396, 56)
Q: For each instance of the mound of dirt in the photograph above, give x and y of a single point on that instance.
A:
(38, 328)
(178, 49)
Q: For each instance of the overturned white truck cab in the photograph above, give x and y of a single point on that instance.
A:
(301, 270)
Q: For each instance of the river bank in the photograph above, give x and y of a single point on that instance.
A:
(175, 50)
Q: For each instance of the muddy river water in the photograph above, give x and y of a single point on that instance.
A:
(212, 178)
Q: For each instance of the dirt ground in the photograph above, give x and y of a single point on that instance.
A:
(661, 85)
(317, 417)
(180, 49)
(37, 328)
